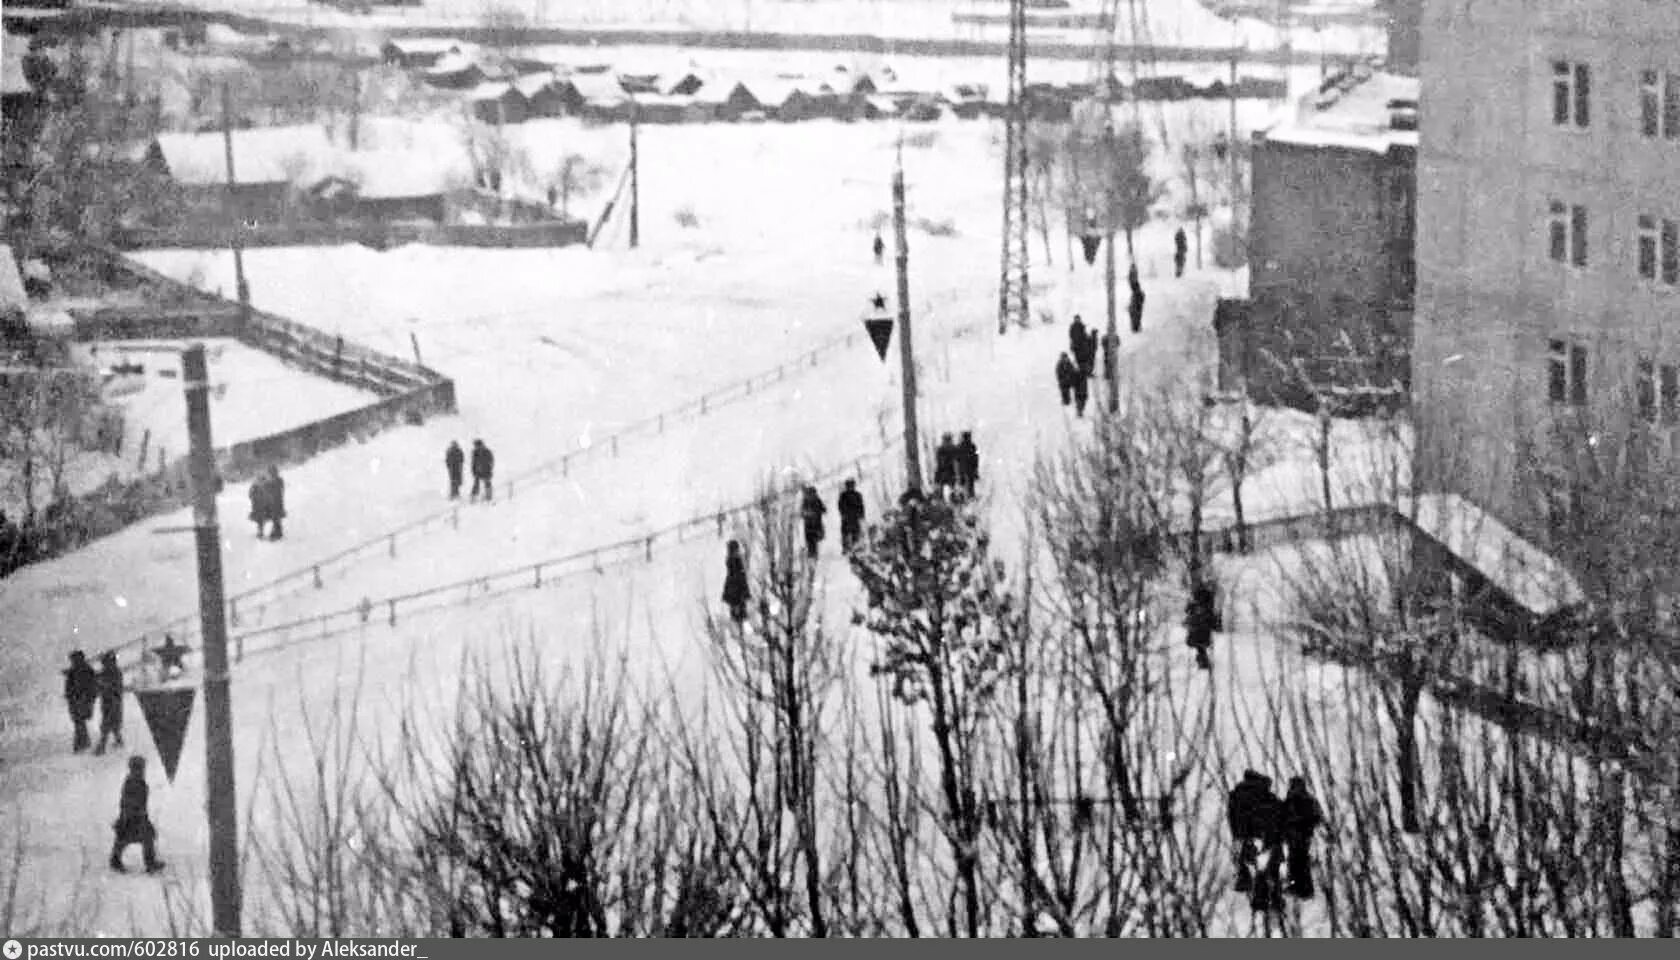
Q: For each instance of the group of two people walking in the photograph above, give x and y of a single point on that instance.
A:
(956, 465)
(1077, 366)
(483, 470)
(268, 504)
(1271, 834)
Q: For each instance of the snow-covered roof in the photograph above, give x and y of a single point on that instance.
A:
(532, 84)
(659, 100)
(390, 174)
(12, 79)
(1354, 115)
(598, 87)
(423, 45)
(775, 91)
(1528, 574)
(493, 90)
(260, 154)
(450, 63)
(12, 295)
(883, 104)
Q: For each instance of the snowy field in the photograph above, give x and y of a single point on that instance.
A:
(551, 350)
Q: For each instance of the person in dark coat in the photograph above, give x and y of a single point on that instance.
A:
(81, 690)
(1078, 337)
(1135, 307)
(968, 463)
(850, 504)
(259, 505)
(453, 461)
(276, 503)
(483, 469)
(1301, 817)
(1081, 392)
(1267, 826)
(134, 821)
(1067, 375)
(811, 510)
(1240, 805)
(945, 464)
(1181, 250)
(735, 590)
(110, 680)
(1202, 621)
(880, 247)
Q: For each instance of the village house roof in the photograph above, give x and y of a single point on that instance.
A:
(451, 63)
(493, 90)
(1356, 112)
(886, 105)
(532, 84)
(598, 88)
(260, 155)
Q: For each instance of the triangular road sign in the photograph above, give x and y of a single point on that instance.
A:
(167, 710)
(880, 333)
(1091, 244)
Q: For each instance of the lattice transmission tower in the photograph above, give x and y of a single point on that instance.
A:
(1012, 281)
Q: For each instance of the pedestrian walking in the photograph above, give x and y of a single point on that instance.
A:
(1267, 827)
(1202, 621)
(110, 683)
(1083, 346)
(736, 594)
(276, 503)
(880, 247)
(453, 461)
(483, 471)
(1181, 250)
(1135, 307)
(81, 691)
(134, 821)
(259, 505)
(811, 510)
(945, 464)
(850, 505)
(968, 463)
(1067, 378)
(1301, 817)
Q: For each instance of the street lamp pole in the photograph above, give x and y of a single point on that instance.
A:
(906, 350)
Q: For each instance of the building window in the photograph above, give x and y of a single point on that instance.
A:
(1645, 391)
(1571, 94)
(1659, 249)
(1659, 104)
(1567, 369)
(1568, 233)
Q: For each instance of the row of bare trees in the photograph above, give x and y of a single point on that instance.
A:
(943, 743)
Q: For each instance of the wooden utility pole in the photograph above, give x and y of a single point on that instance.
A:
(906, 349)
(220, 805)
(635, 178)
(1111, 339)
(234, 224)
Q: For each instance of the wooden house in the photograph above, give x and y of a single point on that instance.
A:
(455, 72)
(684, 84)
(546, 96)
(600, 98)
(639, 83)
(737, 102)
(497, 103)
(270, 163)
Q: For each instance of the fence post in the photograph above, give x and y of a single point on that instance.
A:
(365, 609)
(233, 612)
(238, 649)
(704, 402)
(393, 609)
(649, 552)
(317, 569)
(615, 445)
(566, 465)
(393, 542)
(720, 524)
(538, 581)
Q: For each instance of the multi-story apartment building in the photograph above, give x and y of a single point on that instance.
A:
(1548, 245)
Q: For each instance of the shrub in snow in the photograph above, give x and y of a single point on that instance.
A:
(686, 219)
(937, 228)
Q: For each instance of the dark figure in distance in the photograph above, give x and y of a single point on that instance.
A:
(1301, 816)
(483, 468)
(110, 681)
(968, 463)
(1067, 380)
(880, 247)
(276, 503)
(1083, 343)
(735, 591)
(945, 464)
(259, 505)
(1181, 249)
(811, 509)
(1267, 895)
(81, 690)
(1135, 307)
(1202, 621)
(850, 504)
(453, 461)
(134, 823)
